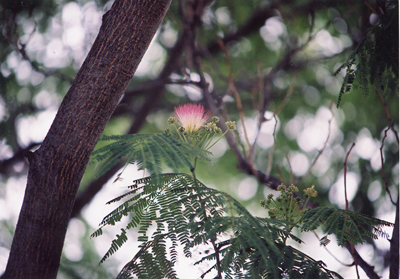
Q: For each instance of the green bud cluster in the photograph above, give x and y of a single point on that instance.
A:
(231, 125)
(286, 206)
(310, 192)
(172, 120)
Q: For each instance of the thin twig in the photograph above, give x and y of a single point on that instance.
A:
(271, 150)
(327, 250)
(233, 89)
(319, 152)
(21, 48)
(258, 88)
(353, 252)
(369, 7)
(218, 260)
(345, 173)
(290, 168)
(383, 167)
(262, 119)
(387, 114)
(288, 94)
(278, 168)
(244, 165)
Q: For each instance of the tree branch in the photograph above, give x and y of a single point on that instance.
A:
(358, 260)
(387, 114)
(243, 164)
(57, 167)
(152, 98)
(6, 166)
(253, 24)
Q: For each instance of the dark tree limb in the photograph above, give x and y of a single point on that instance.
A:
(368, 269)
(92, 189)
(152, 98)
(253, 24)
(244, 165)
(6, 166)
(57, 167)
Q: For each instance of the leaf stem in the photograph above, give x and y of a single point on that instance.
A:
(207, 147)
(193, 171)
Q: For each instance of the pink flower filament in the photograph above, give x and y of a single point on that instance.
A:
(191, 116)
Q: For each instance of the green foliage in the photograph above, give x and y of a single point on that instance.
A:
(189, 213)
(148, 151)
(375, 61)
(346, 225)
(348, 79)
(179, 208)
(309, 267)
(148, 262)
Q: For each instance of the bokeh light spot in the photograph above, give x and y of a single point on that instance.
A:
(247, 188)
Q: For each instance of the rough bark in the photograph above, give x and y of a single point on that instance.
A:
(57, 167)
(157, 89)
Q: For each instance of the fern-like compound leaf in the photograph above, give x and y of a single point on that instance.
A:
(376, 54)
(148, 151)
(179, 208)
(346, 225)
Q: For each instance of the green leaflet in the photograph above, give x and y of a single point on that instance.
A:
(347, 225)
(149, 151)
(375, 61)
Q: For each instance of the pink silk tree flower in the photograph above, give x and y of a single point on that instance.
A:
(191, 116)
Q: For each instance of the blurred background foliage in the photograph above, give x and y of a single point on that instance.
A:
(278, 56)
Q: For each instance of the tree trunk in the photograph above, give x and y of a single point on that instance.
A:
(57, 167)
